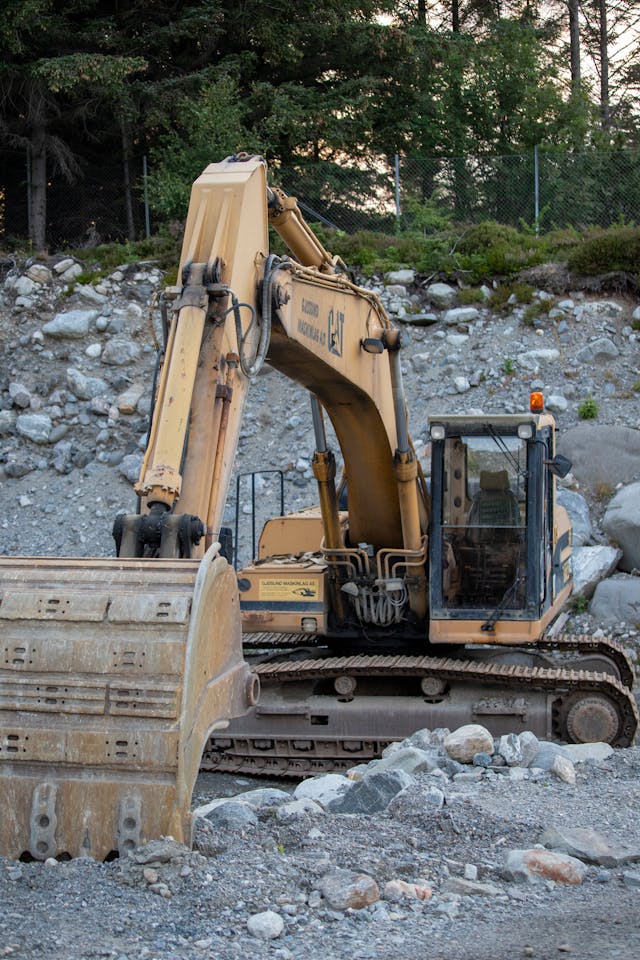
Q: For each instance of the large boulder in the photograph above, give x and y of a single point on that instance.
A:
(622, 523)
(441, 295)
(590, 566)
(578, 510)
(602, 454)
(617, 598)
(72, 325)
(601, 350)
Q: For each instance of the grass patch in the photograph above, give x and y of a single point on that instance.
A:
(102, 260)
(603, 491)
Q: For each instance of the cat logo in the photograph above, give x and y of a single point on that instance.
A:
(336, 324)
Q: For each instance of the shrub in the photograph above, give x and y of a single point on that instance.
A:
(608, 250)
(468, 296)
(534, 311)
(580, 605)
(588, 409)
(484, 236)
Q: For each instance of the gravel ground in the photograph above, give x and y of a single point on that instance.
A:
(83, 909)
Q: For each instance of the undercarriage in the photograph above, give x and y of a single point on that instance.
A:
(319, 712)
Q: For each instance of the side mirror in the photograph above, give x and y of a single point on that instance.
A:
(559, 466)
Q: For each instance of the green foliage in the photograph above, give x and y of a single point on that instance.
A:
(103, 259)
(608, 250)
(536, 310)
(488, 236)
(64, 74)
(588, 409)
(636, 386)
(468, 296)
(580, 605)
(509, 366)
(91, 277)
(502, 295)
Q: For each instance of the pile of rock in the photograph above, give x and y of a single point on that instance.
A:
(419, 781)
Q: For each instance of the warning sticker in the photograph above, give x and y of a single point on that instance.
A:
(288, 588)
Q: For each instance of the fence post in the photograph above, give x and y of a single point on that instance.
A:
(147, 223)
(397, 182)
(29, 225)
(536, 189)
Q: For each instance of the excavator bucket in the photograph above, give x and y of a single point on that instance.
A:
(113, 674)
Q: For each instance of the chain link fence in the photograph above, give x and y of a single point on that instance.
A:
(543, 189)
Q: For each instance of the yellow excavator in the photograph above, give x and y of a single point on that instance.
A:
(399, 602)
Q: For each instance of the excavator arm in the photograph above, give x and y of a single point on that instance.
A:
(237, 306)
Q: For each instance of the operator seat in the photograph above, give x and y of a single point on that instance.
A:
(494, 505)
(492, 555)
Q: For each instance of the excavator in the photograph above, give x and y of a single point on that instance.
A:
(400, 601)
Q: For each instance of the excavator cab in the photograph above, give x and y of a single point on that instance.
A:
(500, 545)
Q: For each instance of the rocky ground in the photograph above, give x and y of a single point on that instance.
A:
(451, 860)
(76, 366)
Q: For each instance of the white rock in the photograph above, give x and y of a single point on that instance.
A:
(24, 286)
(63, 265)
(584, 752)
(410, 759)
(461, 315)
(404, 277)
(590, 566)
(510, 748)
(93, 351)
(529, 745)
(463, 744)
(564, 770)
(531, 359)
(599, 310)
(70, 274)
(556, 403)
(90, 294)
(39, 273)
(34, 426)
(72, 325)
(120, 352)
(85, 388)
(323, 789)
(537, 864)
(461, 384)
(20, 396)
(265, 926)
(297, 809)
(441, 295)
